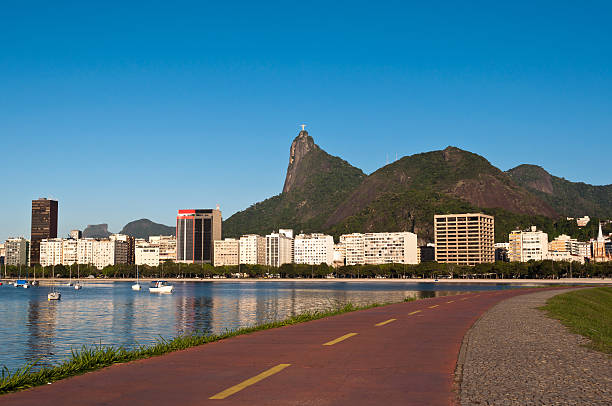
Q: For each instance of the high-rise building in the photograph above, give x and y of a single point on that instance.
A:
(2, 253)
(50, 251)
(44, 225)
(146, 254)
(279, 249)
(464, 239)
(130, 247)
(69, 251)
(253, 249)
(314, 249)
(380, 248)
(227, 252)
(287, 232)
(527, 245)
(109, 252)
(355, 248)
(16, 251)
(85, 247)
(196, 232)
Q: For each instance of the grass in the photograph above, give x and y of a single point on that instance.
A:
(96, 357)
(587, 312)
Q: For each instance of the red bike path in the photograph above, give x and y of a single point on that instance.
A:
(409, 360)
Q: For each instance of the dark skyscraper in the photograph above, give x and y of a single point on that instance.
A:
(44, 225)
(196, 232)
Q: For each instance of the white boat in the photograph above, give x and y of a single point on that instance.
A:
(136, 286)
(70, 280)
(161, 287)
(77, 285)
(54, 296)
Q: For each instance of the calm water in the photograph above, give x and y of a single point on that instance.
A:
(32, 328)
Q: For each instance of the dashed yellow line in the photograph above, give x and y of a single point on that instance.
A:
(382, 323)
(337, 340)
(433, 307)
(465, 298)
(249, 382)
(450, 301)
(414, 312)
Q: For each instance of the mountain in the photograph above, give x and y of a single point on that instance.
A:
(574, 199)
(316, 184)
(326, 194)
(144, 228)
(96, 231)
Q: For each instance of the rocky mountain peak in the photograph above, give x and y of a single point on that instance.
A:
(300, 147)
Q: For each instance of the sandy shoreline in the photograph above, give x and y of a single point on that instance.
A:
(563, 281)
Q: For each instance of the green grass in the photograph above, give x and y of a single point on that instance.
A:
(587, 312)
(96, 357)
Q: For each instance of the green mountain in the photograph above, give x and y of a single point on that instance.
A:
(574, 199)
(144, 228)
(316, 184)
(326, 194)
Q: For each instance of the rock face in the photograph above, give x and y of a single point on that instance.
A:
(144, 228)
(300, 147)
(96, 231)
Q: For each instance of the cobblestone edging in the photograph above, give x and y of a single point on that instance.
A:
(515, 355)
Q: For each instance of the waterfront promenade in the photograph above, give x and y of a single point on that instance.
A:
(403, 353)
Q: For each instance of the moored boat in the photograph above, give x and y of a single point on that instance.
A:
(161, 287)
(54, 296)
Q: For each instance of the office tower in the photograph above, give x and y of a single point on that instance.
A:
(44, 225)
(196, 232)
(464, 239)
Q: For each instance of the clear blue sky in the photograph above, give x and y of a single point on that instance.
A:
(129, 111)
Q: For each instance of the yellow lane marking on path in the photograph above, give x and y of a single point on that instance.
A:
(415, 312)
(385, 322)
(450, 301)
(433, 307)
(337, 340)
(465, 298)
(249, 382)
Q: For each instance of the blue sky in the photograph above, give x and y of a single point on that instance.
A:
(129, 111)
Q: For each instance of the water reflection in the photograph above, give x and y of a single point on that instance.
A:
(34, 329)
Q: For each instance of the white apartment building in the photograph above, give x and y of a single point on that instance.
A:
(287, 232)
(109, 252)
(226, 252)
(69, 251)
(380, 248)
(355, 248)
(253, 249)
(314, 249)
(279, 249)
(85, 250)
(51, 251)
(339, 255)
(167, 247)
(528, 245)
(146, 254)
(16, 251)
(390, 248)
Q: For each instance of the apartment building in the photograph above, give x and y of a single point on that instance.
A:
(69, 251)
(354, 247)
(528, 245)
(146, 254)
(167, 247)
(85, 250)
(253, 249)
(109, 252)
(227, 252)
(464, 239)
(50, 251)
(16, 251)
(390, 248)
(339, 255)
(279, 249)
(314, 249)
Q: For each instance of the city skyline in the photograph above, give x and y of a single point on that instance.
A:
(92, 95)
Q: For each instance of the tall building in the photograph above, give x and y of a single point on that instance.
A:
(314, 249)
(146, 254)
(50, 251)
(380, 248)
(253, 249)
(227, 252)
(287, 232)
(528, 245)
(339, 255)
(167, 247)
(2, 253)
(355, 248)
(196, 232)
(130, 246)
(85, 247)
(464, 239)
(44, 225)
(69, 251)
(279, 249)
(16, 251)
(109, 252)
(501, 251)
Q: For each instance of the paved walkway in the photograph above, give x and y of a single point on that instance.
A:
(515, 355)
(401, 354)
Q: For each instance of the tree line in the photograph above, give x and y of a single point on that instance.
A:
(511, 270)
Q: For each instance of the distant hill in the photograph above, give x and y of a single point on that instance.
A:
(326, 194)
(574, 199)
(96, 231)
(144, 228)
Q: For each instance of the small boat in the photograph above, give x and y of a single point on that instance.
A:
(161, 287)
(70, 280)
(136, 286)
(34, 283)
(77, 286)
(22, 283)
(54, 296)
